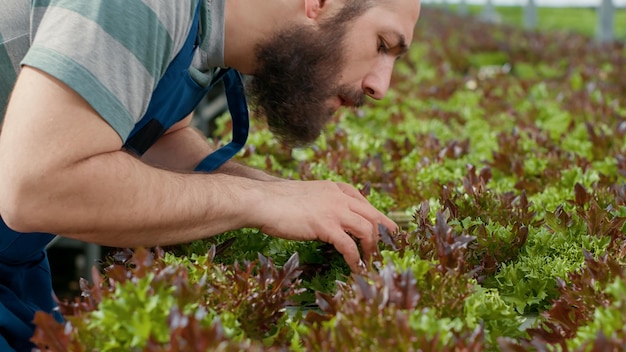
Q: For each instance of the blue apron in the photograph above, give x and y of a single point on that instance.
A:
(25, 280)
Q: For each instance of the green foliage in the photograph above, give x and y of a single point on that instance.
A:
(529, 283)
(609, 320)
(485, 306)
(136, 312)
(503, 153)
(581, 20)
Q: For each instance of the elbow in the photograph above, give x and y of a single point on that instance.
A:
(14, 214)
(15, 223)
(17, 204)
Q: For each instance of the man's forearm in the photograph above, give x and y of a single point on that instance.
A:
(116, 200)
(236, 169)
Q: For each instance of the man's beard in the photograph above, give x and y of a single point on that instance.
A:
(298, 74)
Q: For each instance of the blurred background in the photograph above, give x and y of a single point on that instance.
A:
(604, 20)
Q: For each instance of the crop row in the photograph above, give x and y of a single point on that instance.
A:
(503, 155)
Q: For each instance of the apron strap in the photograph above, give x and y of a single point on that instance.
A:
(238, 107)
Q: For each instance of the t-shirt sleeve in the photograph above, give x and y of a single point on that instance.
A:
(111, 52)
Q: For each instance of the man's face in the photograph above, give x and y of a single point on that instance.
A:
(305, 74)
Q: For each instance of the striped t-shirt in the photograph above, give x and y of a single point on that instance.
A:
(111, 52)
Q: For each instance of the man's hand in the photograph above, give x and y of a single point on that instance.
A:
(322, 210)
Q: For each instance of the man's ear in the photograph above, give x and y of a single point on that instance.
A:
(314, 8)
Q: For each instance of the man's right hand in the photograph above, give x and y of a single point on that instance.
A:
(331, 212)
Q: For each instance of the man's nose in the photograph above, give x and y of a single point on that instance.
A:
(376, 82)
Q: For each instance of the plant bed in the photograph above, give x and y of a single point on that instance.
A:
(505, 149)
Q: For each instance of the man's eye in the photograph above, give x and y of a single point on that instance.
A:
(382, 46)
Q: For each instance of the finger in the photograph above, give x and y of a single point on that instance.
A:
(389, 224)
(351, 191)
(363, 231)
(374, 216)
(345, 245)
(368, 210)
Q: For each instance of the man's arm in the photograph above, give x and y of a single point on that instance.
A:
(63, 172)
(182, 148)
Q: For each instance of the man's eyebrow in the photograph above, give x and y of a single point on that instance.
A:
(401, 46)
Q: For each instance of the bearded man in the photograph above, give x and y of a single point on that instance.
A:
(96, 144)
